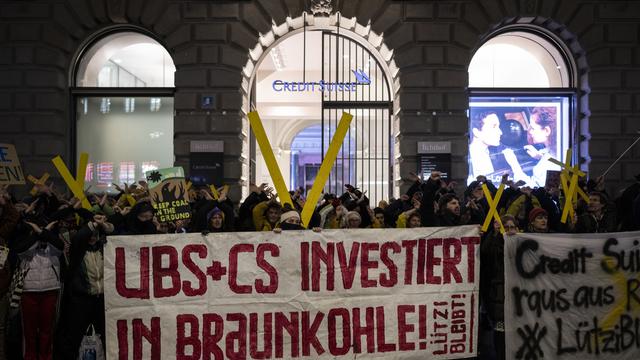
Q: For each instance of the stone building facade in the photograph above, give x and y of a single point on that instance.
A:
(432, 43)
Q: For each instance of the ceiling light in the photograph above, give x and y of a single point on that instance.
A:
(117, 61)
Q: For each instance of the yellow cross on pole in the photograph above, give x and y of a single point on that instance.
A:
(572, 187)
(75, 185)
(493, 204)
(37, 181)
(325, 168)
(269, 158)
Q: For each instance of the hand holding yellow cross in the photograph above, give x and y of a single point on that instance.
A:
(572, 187)
(37, 182)
(493, 205)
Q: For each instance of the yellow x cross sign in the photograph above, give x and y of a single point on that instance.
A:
(493, 205)
(37, 181)
(572, 187)
(75, 185)
(323, 173)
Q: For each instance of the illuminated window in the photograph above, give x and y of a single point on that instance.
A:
(88, 177)
(519, 113)
(148, 166)
(126, 126)
(105, 173)
(127, 172)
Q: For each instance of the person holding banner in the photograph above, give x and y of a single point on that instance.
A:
(492, 279)
(84, 290)
(289, 220)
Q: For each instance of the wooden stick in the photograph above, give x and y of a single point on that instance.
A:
(620, 157)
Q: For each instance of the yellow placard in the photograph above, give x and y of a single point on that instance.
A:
(325, 168)
(269, 158)
(72, 183)
(493, 205)
(37, 181)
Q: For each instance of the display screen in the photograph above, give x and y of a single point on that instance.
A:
(517, 135)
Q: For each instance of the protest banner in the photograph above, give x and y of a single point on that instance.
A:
(10, 168)
(572, 296)
(169, 194)
(338, 294)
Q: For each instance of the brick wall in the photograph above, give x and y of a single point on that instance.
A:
(433, 42)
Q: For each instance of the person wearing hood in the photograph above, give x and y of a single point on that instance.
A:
(213, 215)
(139, 221)
(84, 291)
(217, 220)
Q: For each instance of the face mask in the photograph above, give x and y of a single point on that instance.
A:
(287, 226)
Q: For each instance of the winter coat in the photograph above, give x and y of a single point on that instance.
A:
(492, 275)
(43, 263)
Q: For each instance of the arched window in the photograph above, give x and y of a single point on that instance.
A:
(123, 96)
(521, 102)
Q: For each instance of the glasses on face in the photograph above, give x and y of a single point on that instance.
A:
(510, 227)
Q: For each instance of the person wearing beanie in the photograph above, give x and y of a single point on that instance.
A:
(215, 220)
(538, 220)
(290, 220)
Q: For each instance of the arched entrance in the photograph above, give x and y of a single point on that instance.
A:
(336, 65)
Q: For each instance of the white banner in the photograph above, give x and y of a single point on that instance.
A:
(384, 294)
(572, 296)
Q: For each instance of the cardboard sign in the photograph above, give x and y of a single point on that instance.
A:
(10, 168)
(338, 294)
(169, 194)
(574, 297)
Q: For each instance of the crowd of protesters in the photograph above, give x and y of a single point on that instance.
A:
(51, 286)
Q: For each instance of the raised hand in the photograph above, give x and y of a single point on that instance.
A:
(51, 225)
(413, 177)
(35, 227)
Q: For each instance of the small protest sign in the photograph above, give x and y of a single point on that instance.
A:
(10, 169)
(169, 194)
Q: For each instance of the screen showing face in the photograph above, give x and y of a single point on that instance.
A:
(517, 136)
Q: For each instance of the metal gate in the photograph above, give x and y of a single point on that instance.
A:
(364, 160)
